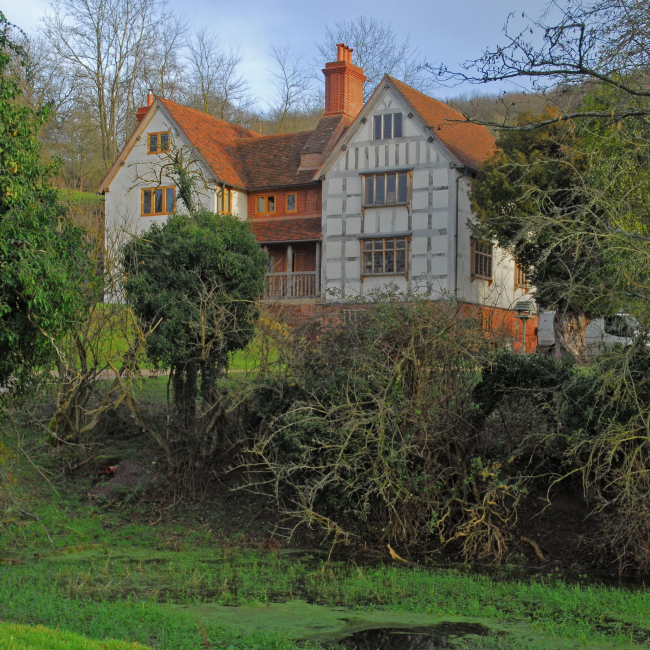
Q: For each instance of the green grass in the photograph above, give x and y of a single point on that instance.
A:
(126, 595)
(107, 574)
(82, 199)
(26, 637)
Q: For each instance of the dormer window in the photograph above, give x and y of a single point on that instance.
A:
(158, 142)
(386, 127)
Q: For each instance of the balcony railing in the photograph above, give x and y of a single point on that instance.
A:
(292, 285)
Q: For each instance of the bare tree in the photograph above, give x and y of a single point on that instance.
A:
(103, 44)
(376, 49)
(215, 84)
(603, 42)
(292, 86)
(163, 68)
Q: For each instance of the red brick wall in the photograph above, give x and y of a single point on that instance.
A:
(278, 255)
(304, 257)
(502, 321)
(309, 202)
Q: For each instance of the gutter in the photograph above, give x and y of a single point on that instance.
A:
(465, 173)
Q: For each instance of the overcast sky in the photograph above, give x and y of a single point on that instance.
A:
(443, 31)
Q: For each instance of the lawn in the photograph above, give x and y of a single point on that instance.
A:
(27, 637)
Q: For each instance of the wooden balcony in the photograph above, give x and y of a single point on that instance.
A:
(303, 284)
(294, 271)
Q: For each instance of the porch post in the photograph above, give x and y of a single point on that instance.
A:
(317, 283)
(289, 270)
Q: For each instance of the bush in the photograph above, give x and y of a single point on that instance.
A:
(370, 431)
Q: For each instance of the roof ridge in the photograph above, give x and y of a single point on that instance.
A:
(470, 143)
(273, 135)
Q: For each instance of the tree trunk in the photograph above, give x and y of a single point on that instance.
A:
(570, 329)
(209, 376)
(184, 383)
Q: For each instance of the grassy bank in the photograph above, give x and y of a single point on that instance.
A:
(169, 578)
(105, 576)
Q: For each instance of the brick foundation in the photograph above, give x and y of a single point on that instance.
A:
(500, 321)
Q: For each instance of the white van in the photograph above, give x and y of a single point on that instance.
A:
(602, 333)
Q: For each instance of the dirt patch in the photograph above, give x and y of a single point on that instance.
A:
(563, 530)
(130, 477)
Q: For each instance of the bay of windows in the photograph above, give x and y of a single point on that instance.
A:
(265, 204)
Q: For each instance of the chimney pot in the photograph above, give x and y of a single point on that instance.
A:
(150, 98)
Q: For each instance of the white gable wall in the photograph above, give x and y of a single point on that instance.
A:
(429, 218)
(123, 196)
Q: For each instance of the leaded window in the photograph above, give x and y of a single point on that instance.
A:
(384, 255)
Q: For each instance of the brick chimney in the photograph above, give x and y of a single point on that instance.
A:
(142, 111)
(343, 85)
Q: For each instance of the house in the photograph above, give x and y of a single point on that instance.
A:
(376, 194)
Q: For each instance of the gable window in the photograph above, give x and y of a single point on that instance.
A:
(224, 200)
(292, 202)
(386, 189)
(384, 255)
(158, 142)
(157, 200)
(265, 204)
(481, 259)
(387, 126)
(521, 281)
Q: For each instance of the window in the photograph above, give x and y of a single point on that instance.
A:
(224, 200)
(386, 189)
(485, 320)
(158, 142)
(481, 259)
(158, 200)
(388, 126)
(383, 256)
(521, 281)
(292, 202)
(264, 204)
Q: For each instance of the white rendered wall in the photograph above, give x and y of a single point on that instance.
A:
(122, 205)
(501, 291)
(425, 217)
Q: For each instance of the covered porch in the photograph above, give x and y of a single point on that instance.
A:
(294, 270)
(294, 248)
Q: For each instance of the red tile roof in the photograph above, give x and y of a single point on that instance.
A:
(215, 139)
(273, 160)
(472, 144)
(287, 229)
